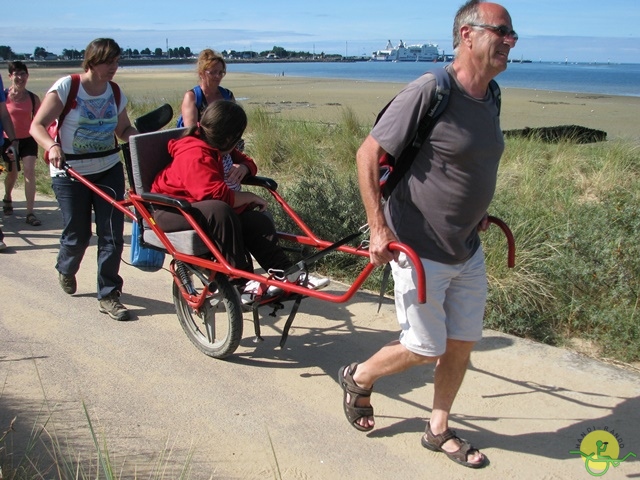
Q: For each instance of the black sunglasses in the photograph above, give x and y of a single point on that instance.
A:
(501, 30)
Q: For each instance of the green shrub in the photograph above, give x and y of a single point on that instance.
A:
(574, 213)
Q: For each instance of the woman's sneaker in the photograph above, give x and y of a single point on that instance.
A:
(111, 306)
(68, 283)
(251, 290)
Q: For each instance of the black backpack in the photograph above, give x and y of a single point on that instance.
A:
(393, 169)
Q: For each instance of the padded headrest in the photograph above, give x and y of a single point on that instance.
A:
(149, 155)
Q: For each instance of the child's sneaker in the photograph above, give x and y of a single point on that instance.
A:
(315, 282)
(251, 289)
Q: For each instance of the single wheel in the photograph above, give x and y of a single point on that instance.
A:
(216, 330)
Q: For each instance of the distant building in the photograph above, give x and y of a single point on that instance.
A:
(48, 56)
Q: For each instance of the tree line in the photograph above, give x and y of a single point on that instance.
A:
(41, 53)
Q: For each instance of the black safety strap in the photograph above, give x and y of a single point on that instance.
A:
(86, 156)
(304, 264)
(289, 322)
(256, 322)
(383, 284)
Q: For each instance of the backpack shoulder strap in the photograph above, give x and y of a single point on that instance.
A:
(199, 96)
(115, 88)
(439, 101)
(71, 98)
(497, 95)
(69, 104)
(33, 103)
(438, 104)
(225, 92)
(116, 93)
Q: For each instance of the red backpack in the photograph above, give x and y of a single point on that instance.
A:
(70, 104)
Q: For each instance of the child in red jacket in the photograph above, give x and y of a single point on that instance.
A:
(235, 219)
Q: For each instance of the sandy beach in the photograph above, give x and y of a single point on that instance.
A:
(317, 99)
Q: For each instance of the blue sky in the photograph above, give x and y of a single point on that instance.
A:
(553, 30)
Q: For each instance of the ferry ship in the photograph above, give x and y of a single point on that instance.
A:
(427, 52)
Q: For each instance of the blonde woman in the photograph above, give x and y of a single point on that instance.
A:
(211, 70)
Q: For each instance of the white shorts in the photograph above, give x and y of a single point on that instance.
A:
(456, 299)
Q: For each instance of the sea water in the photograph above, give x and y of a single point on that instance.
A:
(606, 79)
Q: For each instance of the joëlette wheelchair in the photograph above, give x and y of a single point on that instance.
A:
(207, 302)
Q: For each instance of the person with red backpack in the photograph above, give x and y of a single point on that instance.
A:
(22, 105)
(91, 114)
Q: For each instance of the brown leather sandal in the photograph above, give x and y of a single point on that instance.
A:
(349, 386)
(434, 443)
(7, 206)
(33, 220)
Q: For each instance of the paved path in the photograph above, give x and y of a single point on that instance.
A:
(267, 413)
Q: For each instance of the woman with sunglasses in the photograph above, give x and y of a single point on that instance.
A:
(211, 70)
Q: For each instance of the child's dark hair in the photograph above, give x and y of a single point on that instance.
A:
(222, 124)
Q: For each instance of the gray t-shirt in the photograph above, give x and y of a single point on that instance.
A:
(438, 204)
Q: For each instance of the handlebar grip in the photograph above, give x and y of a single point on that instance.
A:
(417, 264)
(511, 244)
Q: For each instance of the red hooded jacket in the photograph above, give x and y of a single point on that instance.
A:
(196, 172)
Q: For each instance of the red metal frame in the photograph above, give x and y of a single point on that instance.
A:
(220, 264)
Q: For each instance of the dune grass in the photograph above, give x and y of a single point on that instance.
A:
(575, 209)
(44, 453)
